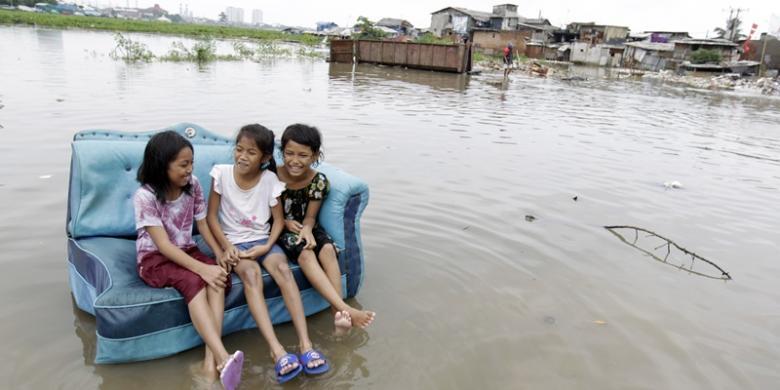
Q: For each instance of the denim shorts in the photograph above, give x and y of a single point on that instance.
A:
(248, 245)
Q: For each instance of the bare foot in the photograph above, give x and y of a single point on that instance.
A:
(361, 318)
(209, 371)
(203, 378)
(342, 322)
(287, 367)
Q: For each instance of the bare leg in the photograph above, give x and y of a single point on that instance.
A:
(206, 326)
(342, 320)
(251, 276)
(216, 299)
(316, 275)
(216, 302)
(330, 264)
(276, 264)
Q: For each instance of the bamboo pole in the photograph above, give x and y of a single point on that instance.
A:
(762, 65)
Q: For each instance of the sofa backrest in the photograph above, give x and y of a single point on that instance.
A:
(104, 165)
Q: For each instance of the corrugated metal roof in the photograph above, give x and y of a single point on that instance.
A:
(391, 22)
(478, 15)
(654, 46)
(710, 42)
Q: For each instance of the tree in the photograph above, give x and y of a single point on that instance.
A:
(222, 17)
(732, 32)
(365, 29)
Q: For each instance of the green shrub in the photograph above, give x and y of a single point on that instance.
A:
(130, 51)
(705, 56)
(430, 38)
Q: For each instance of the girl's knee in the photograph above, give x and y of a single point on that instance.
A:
(283, 269)
(251, 275)
(307, 255)
(328, 250)
(328, 254)
(277, 266)
(214, 291)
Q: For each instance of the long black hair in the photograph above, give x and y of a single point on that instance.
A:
(161, 150)
(264, 139)
(304, 135)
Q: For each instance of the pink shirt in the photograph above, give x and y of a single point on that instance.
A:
(175, 217)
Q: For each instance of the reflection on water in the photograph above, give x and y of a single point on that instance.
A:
(385, 75)
(469, 292)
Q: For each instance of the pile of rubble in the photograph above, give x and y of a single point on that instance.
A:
(768, 85)
(731, 81)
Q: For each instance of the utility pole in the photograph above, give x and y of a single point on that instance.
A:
(732, 23)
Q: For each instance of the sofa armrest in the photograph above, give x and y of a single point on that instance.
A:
(340, 216)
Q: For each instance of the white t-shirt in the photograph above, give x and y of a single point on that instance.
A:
(244, 214)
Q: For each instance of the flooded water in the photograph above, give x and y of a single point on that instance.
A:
(487, 258)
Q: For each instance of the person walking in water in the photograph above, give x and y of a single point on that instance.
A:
(508, 54)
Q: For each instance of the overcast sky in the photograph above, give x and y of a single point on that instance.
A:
(696, 17)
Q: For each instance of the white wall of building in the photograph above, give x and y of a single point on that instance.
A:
(234, 15)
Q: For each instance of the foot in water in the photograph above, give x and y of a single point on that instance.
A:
(361, 318)
(286, 368)
(342, 322)
(230, 370)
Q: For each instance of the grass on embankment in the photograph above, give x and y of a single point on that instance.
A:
(111, 24)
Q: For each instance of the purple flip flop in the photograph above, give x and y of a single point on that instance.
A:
(231, 373)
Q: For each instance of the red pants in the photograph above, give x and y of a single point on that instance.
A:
(158, 271)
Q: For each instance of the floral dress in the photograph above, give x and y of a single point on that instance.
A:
(295, 203)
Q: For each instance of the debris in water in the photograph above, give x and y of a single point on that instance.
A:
(675, 255)
(45, 177)
(600, 322)
(575, 198)
(466, 228)
(549, 320)
(60, 100)
(538, 69)
(530, 218)
(672, 184)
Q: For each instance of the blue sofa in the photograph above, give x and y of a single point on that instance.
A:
(136, 322)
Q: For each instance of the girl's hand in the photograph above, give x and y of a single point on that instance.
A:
(231, 253)
(214, 275)
(255, 252)
(224, 262)
(293, 226)
(307, 236)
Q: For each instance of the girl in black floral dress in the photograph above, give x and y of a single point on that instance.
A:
(303, 239)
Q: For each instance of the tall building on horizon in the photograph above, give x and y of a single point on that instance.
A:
(257, 16)
(234, 15)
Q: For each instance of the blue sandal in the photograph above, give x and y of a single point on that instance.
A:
(284, 361)
(314, 354)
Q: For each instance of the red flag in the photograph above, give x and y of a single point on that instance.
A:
(746, 45)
